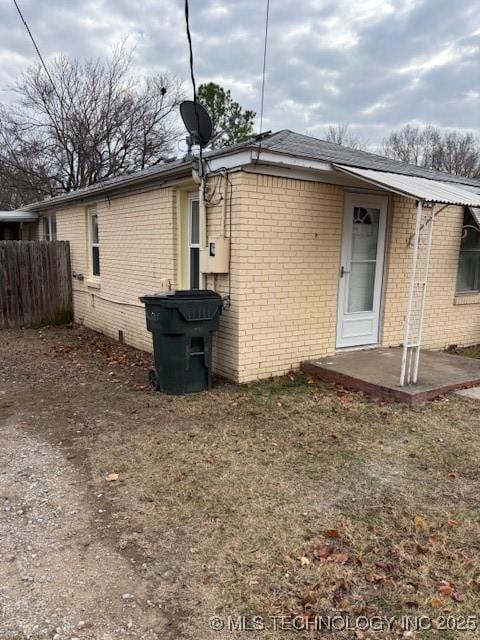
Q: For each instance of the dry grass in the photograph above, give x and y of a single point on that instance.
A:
(286, 497)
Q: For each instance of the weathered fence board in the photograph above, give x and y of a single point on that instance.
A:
(35, 283)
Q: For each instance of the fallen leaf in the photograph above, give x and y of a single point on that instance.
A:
(332, 533)
(304, 561)
(374, 578)
(432, 540)
(458, 597)
(436, 602)
(419, 522)
(382, 565)
(359, 635)
(453, 523)
(421, 550)
(340, 558)
(452, 474)
(112, 477)
(411, 604)
(446, 589)
(310, 598)
(323, 552)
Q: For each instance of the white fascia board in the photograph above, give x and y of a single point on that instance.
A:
(282, 159)
(18, 216)
(230, 160)
(253, 156)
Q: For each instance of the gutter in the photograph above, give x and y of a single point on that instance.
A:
(106, 189)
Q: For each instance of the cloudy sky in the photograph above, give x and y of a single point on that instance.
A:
(376, 64)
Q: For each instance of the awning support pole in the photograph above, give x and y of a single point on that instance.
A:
(411, 292)
(423, 297)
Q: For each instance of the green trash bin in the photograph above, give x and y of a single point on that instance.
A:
(182, 325)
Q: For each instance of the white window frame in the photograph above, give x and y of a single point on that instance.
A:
(50, 227)
(93, 211)
(193, 197)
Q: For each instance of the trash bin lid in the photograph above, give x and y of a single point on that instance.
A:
(186, 294)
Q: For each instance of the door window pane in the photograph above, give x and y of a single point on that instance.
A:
(194, 223)
(194, 268)
(365, 233)
(361, 286)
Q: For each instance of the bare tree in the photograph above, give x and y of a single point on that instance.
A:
(93, 122)
(452, 151)
(340, 134)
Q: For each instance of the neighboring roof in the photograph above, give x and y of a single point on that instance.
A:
(18, 216)
(418, 188)
(283, 142)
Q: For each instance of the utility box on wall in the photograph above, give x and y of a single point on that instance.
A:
(215, 257)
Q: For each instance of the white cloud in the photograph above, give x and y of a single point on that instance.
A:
(373, 63)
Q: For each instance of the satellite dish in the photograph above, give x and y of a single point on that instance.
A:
(197, 122)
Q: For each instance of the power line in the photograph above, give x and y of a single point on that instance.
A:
(192, 76)
(36, 48)
(264, 63)
(189, 38)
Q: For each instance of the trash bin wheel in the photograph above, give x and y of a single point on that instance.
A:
(153, 380)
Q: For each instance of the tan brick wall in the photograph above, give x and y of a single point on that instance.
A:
(286, 242)
(137, 253)
(288, 246)
(447, 319)
(289, 250)
(227, 339)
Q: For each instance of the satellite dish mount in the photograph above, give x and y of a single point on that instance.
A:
(197, 122)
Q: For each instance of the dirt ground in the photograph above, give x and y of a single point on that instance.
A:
(280, 502)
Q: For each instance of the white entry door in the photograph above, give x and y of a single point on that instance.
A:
(361, 270)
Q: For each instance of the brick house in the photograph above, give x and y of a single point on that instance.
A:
(320, 240)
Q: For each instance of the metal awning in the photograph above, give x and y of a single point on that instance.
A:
(421, 189)
(18, 216)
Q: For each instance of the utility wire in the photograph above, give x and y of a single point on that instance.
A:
(192, 76)
(36, 48)
(264, 63)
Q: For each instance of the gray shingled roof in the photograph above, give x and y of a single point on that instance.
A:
(299, 145)
(284, 142)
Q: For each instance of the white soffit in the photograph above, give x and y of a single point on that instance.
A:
(417, 188)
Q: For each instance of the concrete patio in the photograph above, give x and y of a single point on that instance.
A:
(377, 373)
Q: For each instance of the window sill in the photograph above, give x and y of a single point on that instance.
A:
(93, 283)
(467, 298)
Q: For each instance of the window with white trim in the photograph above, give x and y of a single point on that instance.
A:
(468, 275)
(50, 227)
(94, 242)
(193, 243)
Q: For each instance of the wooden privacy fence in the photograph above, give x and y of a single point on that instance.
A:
(35, 283)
